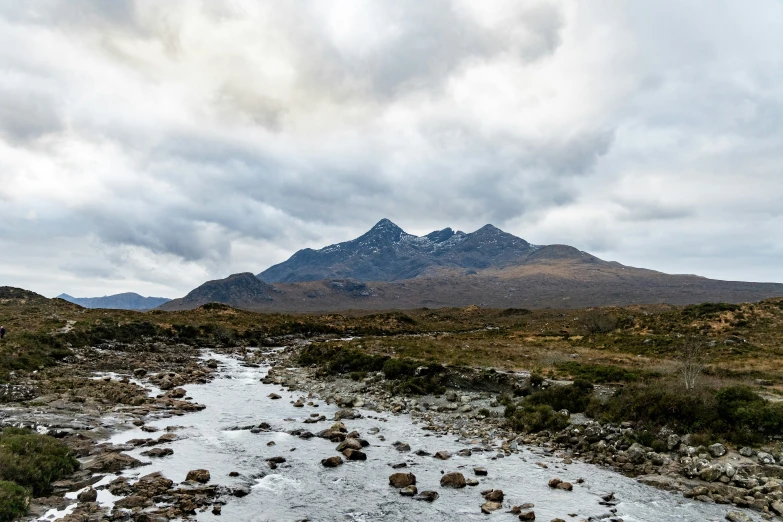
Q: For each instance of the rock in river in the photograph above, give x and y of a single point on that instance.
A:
(198, 475)
(401, 480)
(453, 480)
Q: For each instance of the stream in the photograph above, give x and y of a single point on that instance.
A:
(302, 489)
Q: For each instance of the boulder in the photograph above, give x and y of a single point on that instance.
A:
(427, 496)
(347, 414)
(274, 396)
(332, 462)
(402, 480)
(527, 515)
(480, 472)
(408, 491)
(158, 452)
(443, 455)
(489, 507)
(717, 450)
(198, 475)
(349, 444)
(351, 454)
(494, 495)
(88, 495)
(738, 516)
(453, 480)
(133, 501)
(112, 463)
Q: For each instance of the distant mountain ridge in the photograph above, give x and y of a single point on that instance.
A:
(124, 301)
(388, 253)
(387, 268)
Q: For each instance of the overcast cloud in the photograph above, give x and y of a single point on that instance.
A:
(149, 146)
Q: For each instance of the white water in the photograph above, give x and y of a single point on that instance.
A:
(302, 489)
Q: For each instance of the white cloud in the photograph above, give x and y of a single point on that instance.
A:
(151, 145)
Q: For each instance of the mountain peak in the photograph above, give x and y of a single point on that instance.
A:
(384, 230)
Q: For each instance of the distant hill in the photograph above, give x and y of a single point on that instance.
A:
(125, 301)
(387, 268)
(239, 290)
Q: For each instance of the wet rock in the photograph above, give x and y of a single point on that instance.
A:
(217, 509)
(465, 452)
(158, 452)
(139, 372)
(443, 455)
(349, 444)
(402, 480)
(495, 495)
(556, 483)
(427, 496)
(151, 485)
(347, 414)
(527, 515)
(88, 495)
(276, 460)
(453, 480)
(332, 462)
(176, 393)
(198, 475)
(471, 482)
(489, 507)
(717, 450)
(402, 447)
(519, 509)
(133, 501)
(777, 507)
(112, 463)
(480, 472)
(240, 491)
(409, 491)
(352, 454)
(274, 396)
(738, 516)
(233, 474)
(746, 451)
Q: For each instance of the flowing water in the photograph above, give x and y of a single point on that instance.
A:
(359, 491)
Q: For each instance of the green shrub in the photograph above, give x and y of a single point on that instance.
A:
(399, 368)
(600, 373)
(531, 418)
(574, 397)
(734, 413)
(599, 322)
(339, 360)
(536, 379)
(14, 500)
(706, 309)
(32, 460)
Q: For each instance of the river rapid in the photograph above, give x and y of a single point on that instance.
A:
(302, 489)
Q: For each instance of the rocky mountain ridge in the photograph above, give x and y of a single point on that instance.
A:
(387, 268)
(123, 301)
(388, 253)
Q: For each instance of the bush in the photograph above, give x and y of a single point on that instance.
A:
(14, 500)
(598, 322)
(531, 418)
(32, 460)
(735, 413)
(599, 373)
(338, 360)
(574, 397)
(399, 368)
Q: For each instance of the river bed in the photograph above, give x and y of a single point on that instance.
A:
(302, 489)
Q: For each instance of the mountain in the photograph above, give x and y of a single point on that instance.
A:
(387, 268)
(125, 301)
(388, 253)
(240, 290)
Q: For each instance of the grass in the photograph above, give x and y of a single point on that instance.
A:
(32, 460)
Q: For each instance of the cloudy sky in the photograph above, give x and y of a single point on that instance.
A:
(149, 146)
